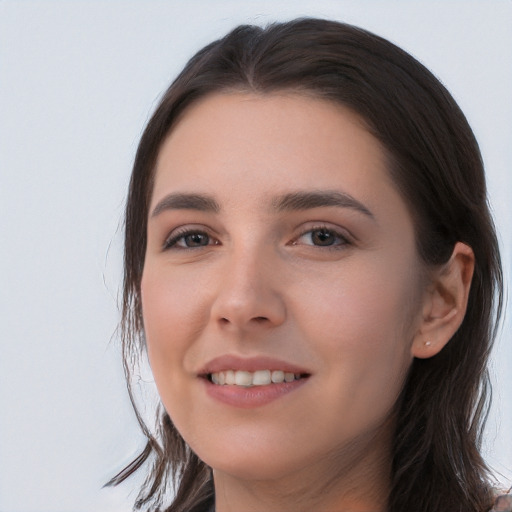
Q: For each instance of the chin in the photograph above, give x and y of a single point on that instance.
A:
(253, 470)
(253, 461)
(243, 458)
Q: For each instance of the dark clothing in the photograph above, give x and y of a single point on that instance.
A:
(503, 503)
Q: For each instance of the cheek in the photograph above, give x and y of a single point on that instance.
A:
(363, 321)
(172, 314)
(363, 305)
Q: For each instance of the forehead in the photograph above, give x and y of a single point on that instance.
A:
(239, 141)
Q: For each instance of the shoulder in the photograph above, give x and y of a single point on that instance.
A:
(503, 503)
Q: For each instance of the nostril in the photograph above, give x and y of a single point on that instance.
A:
(257, 319)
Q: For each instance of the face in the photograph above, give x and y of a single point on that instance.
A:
(281, 289)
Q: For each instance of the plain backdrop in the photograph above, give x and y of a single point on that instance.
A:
(78, 80)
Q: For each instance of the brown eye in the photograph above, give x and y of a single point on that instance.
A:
(196, 240)
(322, 237)
(188, 240)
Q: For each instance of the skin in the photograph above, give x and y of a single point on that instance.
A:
(353, 313)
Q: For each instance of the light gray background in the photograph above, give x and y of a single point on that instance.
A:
(78, 80)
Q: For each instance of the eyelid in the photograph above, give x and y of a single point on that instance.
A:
(170, 241)
(339, 232)
(180, 232)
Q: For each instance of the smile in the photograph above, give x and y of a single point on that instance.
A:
(250, 379)
(251, 382)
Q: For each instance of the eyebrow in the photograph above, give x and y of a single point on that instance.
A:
(180, 201)
(297, 201)
(293, 201)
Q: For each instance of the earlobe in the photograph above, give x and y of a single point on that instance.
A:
(445, 303)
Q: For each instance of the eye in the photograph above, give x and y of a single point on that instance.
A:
(322, 237)
(189, 239)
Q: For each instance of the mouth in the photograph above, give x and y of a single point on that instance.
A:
(247, 379)
(251, 382)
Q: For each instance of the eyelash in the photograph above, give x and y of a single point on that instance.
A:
(340, 237)
(173, 241)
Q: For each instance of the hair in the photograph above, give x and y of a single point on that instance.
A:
(435, 163)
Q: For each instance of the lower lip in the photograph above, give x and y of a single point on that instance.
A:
(254, 396)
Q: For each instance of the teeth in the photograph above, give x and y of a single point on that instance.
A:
(261, 378)
(242, 378)
(289, 377)
(277, 376)
(257, 378)
(230, 377)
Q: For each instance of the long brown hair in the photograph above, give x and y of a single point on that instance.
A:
(436, 165)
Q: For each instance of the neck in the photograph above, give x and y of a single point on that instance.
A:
(356, 480)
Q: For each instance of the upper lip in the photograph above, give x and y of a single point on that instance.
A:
(249, 364)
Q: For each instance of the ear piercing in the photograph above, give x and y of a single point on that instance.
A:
(427, 343)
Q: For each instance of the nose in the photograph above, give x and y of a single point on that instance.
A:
(249, 295)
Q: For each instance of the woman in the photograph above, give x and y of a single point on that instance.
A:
(312, 267)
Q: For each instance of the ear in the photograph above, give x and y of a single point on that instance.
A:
(445, 303)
